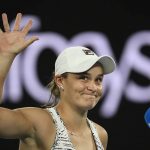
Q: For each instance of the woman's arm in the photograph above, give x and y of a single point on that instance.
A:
(13, 123)
(12, 43)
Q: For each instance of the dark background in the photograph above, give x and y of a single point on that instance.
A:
(118, 20)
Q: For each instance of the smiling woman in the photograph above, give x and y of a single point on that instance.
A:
(82, 87)
(77, 85)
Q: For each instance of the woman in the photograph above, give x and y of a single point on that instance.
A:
(77, 85)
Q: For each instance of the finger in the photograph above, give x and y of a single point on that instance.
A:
(26, 29)
(31, 40)
(5, 22)
(17, 22)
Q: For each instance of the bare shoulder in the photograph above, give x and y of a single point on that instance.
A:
(42, 123)
(36, 115)
(32, 110)
(102, 134)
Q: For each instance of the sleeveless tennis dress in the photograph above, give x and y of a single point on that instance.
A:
(62, 139)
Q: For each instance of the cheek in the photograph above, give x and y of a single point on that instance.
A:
(74, 87)
(100, 90)
(77, 88)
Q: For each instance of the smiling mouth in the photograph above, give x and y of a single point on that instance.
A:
(90, 95)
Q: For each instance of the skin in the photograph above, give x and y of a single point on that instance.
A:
(34, 126)
(80, 93)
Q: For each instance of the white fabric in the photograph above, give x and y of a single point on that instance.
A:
(80, 59)
(62, 139)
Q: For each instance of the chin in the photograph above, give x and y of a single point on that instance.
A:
(89, 103)
(89, 106)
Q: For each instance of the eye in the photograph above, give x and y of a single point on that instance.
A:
(99, 80)
(84, 77)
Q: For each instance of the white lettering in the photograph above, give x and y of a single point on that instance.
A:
(24, 69)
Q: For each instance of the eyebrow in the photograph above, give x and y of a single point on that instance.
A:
(86, 73)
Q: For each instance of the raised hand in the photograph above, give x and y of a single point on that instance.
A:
(13, 42)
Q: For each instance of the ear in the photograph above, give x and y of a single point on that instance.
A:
(59, 80)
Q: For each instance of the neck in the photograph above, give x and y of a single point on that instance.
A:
(74, 120)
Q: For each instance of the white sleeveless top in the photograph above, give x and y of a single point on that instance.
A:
(62, 139)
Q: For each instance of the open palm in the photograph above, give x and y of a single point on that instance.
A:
(14, 41)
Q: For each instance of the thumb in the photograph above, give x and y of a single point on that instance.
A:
(30, 41)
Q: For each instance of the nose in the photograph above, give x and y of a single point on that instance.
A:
(92, 86)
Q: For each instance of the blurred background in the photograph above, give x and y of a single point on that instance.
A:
(117, 28)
